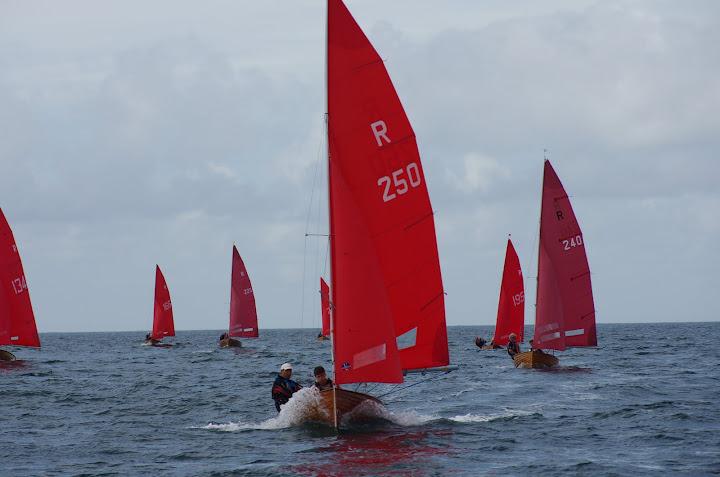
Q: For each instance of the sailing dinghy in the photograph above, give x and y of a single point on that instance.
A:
(387, 307)
(163, 325)
(243, 314)
(17, 320)
(565, 311)
(511, 305)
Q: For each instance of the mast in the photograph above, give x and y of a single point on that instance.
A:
(537, 278)
(331, 310)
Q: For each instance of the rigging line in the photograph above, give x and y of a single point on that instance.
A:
(307, 229)
(431, 378)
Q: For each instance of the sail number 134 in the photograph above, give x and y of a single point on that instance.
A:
(400, 181)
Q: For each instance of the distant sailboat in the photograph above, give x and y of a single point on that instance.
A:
(17, 320)
(243, 314)
(387, 307)
(163, 325)
(324, 310)
(565, 311)
(511, 305)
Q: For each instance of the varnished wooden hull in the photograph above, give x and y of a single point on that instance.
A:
(491, 347)
(6, 355)
(535, 359)
(230, 343)
(351, 407)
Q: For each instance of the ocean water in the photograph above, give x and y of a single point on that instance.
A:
(644, 403)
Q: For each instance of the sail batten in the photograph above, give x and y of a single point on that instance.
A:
(511, 304)
(163, 324)
(385, 269)
(565, 312)
(17, 320)
(243, 312)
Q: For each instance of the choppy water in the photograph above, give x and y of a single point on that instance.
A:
(645, 403)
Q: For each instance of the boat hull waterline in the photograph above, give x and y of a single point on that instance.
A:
(535, 360)
(6, 355)
(352, 407)
(230, 343)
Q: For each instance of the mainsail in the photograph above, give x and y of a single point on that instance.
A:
(163, 324)
(325, 307)
(243, 314)
(387, 294)
(565, 313)
(17, 320)
(511, 306)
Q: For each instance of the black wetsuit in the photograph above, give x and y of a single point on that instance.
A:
(327, 385)
(282, 390)
(513, 348)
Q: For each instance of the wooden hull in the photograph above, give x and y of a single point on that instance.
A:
(351, 407)
(230, 343)
(491, 347)
(535, 359)
(322, 338)
(6, 355)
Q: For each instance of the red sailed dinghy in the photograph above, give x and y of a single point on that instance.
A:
(324, 310)
(387, 307)
(163, 325)
(17, 320)
(243, 314)
(565, 311)
(511, 305)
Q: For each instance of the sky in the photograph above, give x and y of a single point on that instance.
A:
(134, 133)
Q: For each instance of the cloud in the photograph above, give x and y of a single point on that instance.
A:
(126, 143)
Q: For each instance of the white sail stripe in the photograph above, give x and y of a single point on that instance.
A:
(369, 356)
(550, 336)
(578, 332)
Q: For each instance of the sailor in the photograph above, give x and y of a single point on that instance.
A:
(479, 342)
(283, 388)
(322, 382)
(149, 340)
(513, 347)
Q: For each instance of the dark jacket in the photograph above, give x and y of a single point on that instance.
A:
(513, 348)
(282, 390)
(328, 385)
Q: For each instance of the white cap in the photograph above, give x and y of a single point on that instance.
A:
(285, 366)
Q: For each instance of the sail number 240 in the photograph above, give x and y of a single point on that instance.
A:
(572, 242)
(400, 181)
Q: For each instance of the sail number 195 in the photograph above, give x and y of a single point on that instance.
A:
(400, 181)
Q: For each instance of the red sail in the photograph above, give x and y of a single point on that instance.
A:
(387, 292)
(163, 316)
(565, 313)
(325, 307)
(511, 307)
(17, 321)
(243, 315)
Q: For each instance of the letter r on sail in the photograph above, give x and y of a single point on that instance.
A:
(379, 129)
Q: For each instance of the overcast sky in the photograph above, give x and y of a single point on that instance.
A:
(134, 133)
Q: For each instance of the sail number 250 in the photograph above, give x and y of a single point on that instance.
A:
(400, 181)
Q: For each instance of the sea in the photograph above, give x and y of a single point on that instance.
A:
(645, 402)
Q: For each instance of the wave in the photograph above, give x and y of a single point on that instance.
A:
(293, 414)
